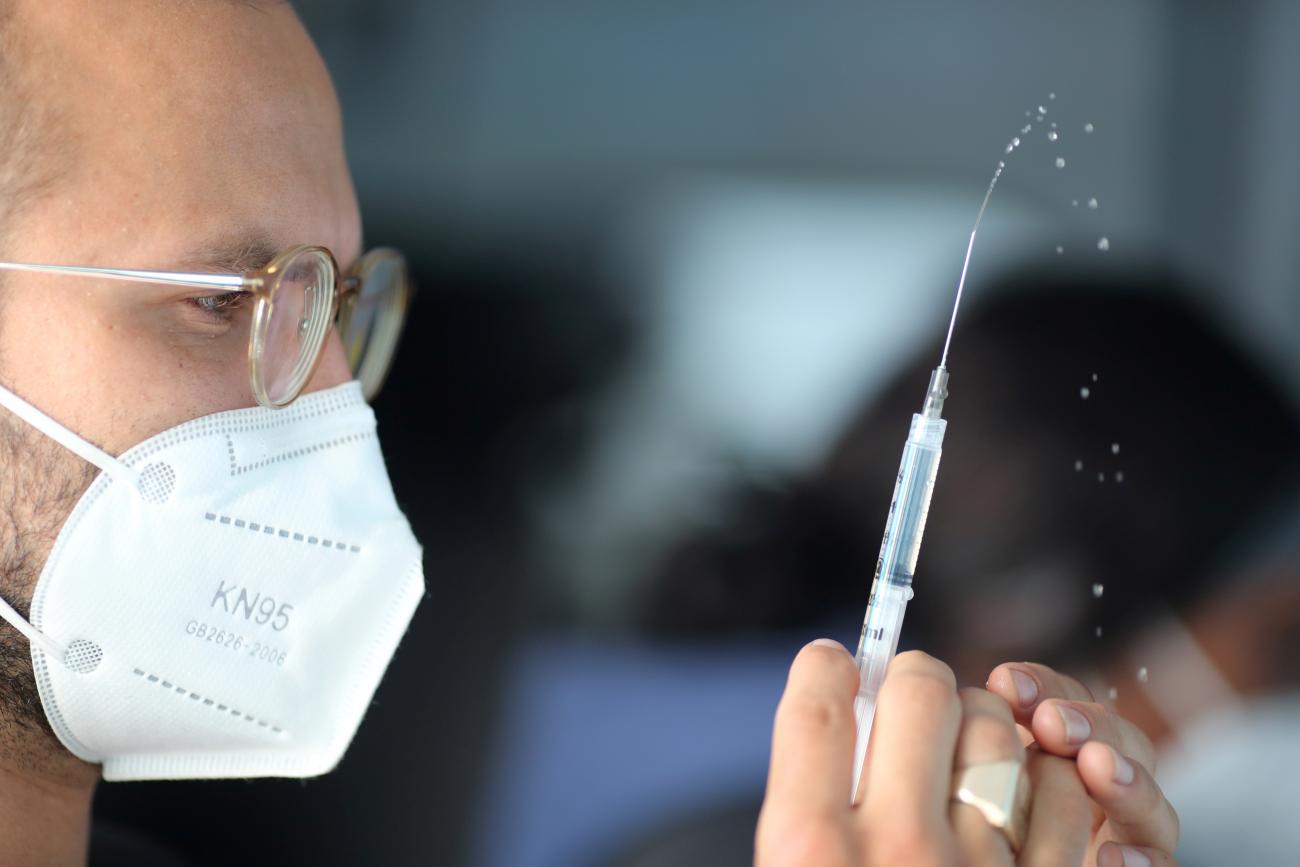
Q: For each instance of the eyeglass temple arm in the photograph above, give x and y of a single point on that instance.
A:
(171, 278)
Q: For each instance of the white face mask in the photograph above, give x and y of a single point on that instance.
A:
(1232, 770)
(1234, 779)
(226, 595)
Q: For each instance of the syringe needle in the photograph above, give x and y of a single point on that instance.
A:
(965, 264)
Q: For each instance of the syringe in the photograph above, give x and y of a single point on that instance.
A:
(892, 586)
(891, 589)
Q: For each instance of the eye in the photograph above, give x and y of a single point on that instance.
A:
(221, 305)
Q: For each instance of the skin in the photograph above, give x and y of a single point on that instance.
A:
(174, 129)
(1094, 799)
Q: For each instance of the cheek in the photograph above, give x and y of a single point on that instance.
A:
(104, 368)
(58, 347)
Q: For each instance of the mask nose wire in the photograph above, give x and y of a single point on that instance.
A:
(86, 451)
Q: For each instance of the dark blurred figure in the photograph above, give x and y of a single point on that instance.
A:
(1101, 430)
(1117, 498)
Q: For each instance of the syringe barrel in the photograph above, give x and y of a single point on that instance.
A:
(891, 587)
(910, 504)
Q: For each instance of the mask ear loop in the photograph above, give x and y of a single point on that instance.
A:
(82, 448)
(34, 635)
(88, 452)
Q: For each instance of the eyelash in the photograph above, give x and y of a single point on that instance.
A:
(221, 305)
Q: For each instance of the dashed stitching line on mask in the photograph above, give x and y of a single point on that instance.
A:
(281, 533)
(207, 702)
(236, 469)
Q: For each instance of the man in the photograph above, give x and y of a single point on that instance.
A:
(189, 137)
(201, 141)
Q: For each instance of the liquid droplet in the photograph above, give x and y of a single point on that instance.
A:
(1042, 110)
(1015, 142)
(1078, 466)
(1101, 477)
(1103, 244)
(1001, 164)
(1026, 128)
(1010, 147)
(1053, 124)
(1113, 693)
(1087, 127)
(1097, 632)
(1092, 203)
(1051, 96)
(1085, 392)
(1114, 448)
(1143, 676)
(1119, 477)
(1027, 112)
(1097, 590)
(1060, 162)
(1040, 117)
(1059, 249)
(1053, 135)
(1094, 377)
(1074, 203)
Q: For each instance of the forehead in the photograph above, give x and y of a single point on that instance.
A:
(190, 119)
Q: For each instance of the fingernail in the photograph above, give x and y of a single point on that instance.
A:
(1123, 770)
(828, 642)
(1077, 727)
(1135, 857)
(1026, 689)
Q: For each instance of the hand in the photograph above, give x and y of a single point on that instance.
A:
(1132, 823)
(923, 729)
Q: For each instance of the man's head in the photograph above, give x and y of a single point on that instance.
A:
(166, 134)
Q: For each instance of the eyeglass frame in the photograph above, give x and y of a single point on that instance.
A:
(258, 282)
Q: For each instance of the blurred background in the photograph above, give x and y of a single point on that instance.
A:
(683, 270)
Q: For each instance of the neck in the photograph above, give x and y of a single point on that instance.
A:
(44, 817)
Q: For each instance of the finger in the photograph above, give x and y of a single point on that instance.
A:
(1115, 855)
(1025, 685)
(812, 738)
(1060, 815)
(1137, 810)
(908, 772)
(1062, 727)
(987, 734)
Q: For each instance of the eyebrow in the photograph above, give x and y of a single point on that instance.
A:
(235, 254)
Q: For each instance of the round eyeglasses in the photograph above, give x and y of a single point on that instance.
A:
(297, 296)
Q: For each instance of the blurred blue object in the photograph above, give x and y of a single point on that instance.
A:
(601, 742)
